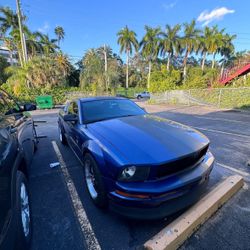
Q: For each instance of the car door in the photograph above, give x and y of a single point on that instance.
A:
(8, 154)
(71, 127)
(23, 126)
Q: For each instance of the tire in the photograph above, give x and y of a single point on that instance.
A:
(96, 188)
(139, 97)
(23, 208)
(62, 137)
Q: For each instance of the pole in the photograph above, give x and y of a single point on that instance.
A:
(106, 66)
(19, 15)
(219, 98)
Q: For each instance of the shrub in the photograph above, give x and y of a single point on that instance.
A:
(164, 80)
(24, 94)
(198, 79)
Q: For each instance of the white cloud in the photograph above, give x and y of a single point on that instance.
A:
(216, 14)
(45, 28)
(168, 6)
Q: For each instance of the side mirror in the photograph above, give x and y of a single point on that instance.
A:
(29, 107)
(70, 118)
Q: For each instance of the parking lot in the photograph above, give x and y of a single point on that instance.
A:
(62, 208)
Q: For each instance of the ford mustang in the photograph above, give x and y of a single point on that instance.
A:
(139, 164)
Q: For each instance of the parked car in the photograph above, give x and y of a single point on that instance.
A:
(143, 94)
(141, 165)
(17, 145)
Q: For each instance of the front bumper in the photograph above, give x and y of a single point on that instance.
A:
(164, 197)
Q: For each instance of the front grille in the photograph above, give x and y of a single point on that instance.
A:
(181, 163)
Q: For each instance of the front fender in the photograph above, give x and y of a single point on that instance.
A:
(109, 163)
(97, 152)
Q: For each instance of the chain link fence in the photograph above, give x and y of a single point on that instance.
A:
(219, 97)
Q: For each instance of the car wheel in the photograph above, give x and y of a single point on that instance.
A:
(24, 225)
(94, 182)
(139, 97)
(62, 137)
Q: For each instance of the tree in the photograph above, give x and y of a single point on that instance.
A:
(227, 51)
(63, 64)
(48, 45)
(9, 24)
(8, 20)
(34, 47)
(9, 43)
(191, 34)
(105, 52)
(127, 41)
(3, 65)
(92, 76)
(215, 42)
(39, 71)
(150, 47)
(204, 44)
(170, 42)
(59, 31)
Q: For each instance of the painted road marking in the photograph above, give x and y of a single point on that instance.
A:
(175, 234)
(222, 132)
(87, 231)
(219, 119)
(243, 173)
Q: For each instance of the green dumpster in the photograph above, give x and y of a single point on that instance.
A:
(44, 102)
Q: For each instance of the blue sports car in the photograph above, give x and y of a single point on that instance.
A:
(139, 164)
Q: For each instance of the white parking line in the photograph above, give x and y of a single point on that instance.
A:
(222, 132)
(219, 119)
(87, 231)
(243, 173)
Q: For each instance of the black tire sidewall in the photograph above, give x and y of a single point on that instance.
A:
(101, 200)
(22, 242)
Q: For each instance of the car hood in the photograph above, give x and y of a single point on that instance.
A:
(148, 139)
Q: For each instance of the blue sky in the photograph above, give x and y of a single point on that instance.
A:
(92, 23)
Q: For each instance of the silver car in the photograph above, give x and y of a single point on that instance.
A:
(143, 94)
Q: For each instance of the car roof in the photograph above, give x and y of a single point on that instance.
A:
(97, 98)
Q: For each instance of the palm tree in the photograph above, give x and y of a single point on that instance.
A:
(9, 23)
(191, 33)
(170, 42)
(8, 20)
(105, 52)
(127, 40)
(204, 44)
(227, 51)
(34, 47)
(59, 31)
(9, 43)
(215, 42)
(49, 45)
(63, 63)
(150, 46)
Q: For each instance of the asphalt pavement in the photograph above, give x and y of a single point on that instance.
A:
(55, 217)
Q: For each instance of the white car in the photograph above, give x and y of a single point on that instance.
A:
(143, 94)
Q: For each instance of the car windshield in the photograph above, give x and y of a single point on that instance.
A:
(100, 110)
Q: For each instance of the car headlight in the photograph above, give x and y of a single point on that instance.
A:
(133, 173)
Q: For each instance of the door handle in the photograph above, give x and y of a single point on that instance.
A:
(12, 129)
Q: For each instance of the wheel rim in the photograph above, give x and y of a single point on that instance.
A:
(60, 134)
(25, 210)
(90, 179)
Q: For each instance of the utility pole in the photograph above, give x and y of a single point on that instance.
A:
(106, 65)
(24, 58)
